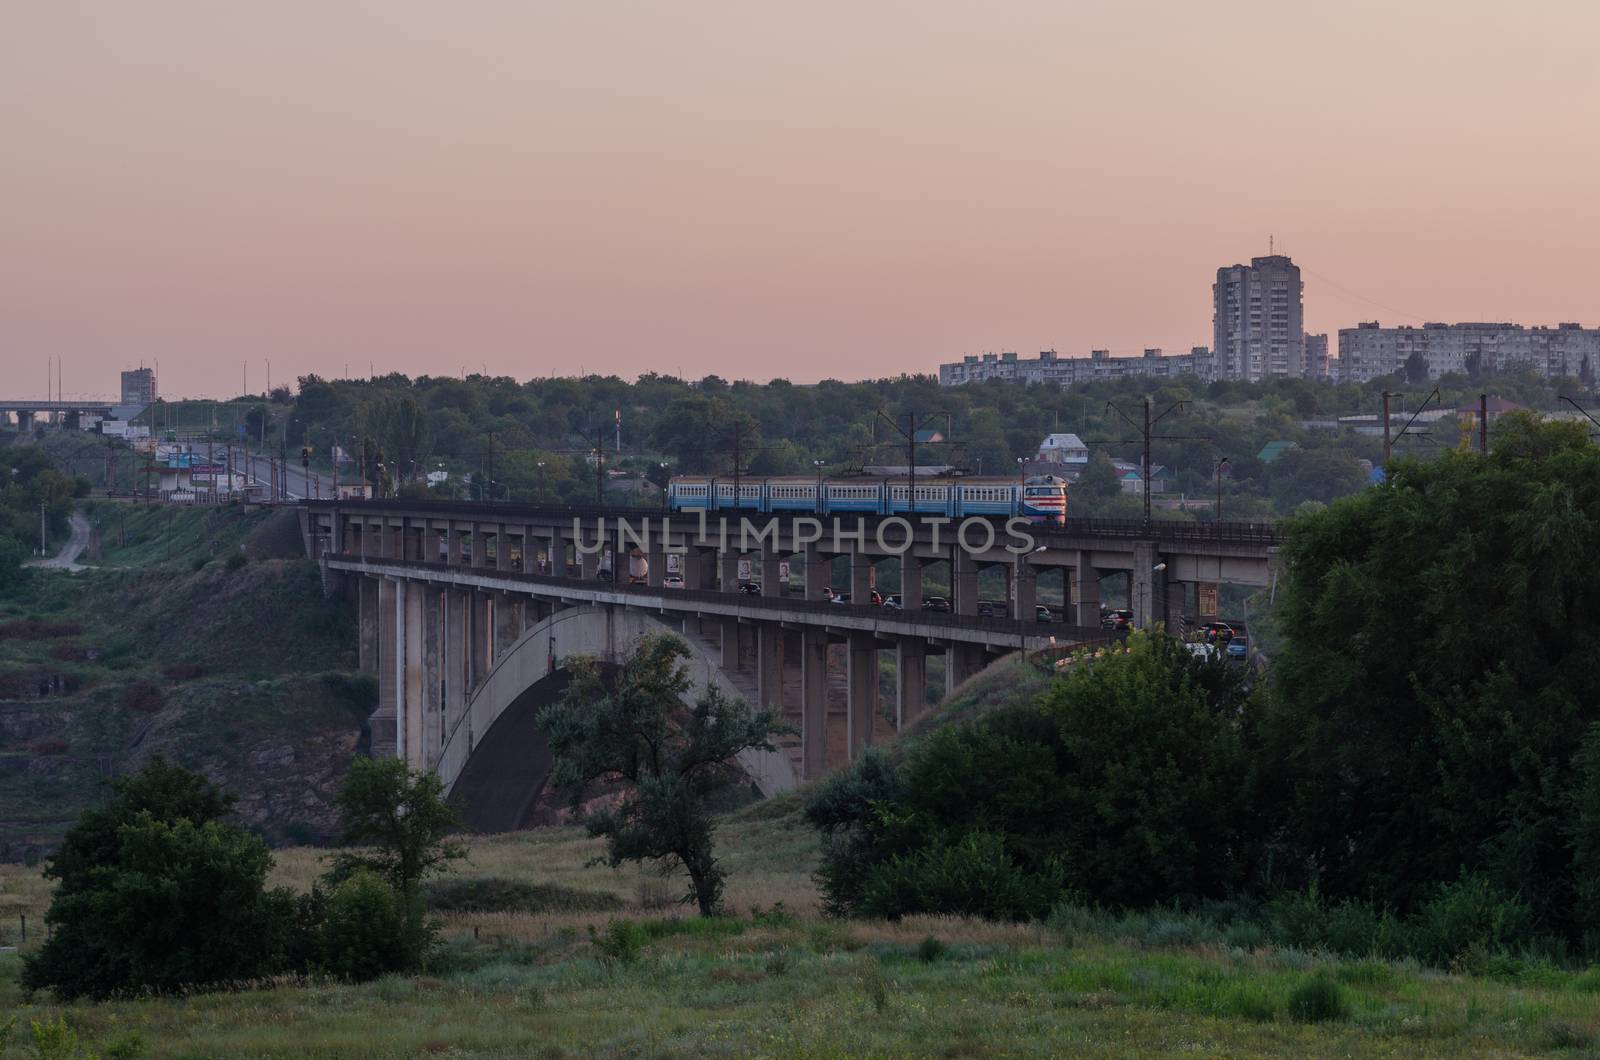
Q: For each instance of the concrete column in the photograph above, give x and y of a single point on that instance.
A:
(655, 558)
(369, 625)
(384, 720)
(336, 533)
(911, 681)
(457, 658)
(769, 665)
(558, 556)
(409, 742)
(1145, 605)
(589, 562)
(729, 628)
(770, 583)
(702, 569)
(1175, 599)
(818, 566)
(813, 701)
(910, 582)
(507, 623)
(863, 686)
(530, 551)
(961, 661)
(452, 538)
(480, 638)
(1024, 577)
(428, 742)
(1086, 598)
(480, 545)
(860, 576)
(964, 583)
(728, 570)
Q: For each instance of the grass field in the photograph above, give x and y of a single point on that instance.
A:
(789, 982)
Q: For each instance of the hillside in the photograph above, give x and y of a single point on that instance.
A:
(198, 634)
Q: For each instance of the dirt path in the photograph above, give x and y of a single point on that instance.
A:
(67, 558)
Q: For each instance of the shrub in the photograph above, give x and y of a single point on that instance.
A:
(1465, 922)
(621, 943)
(971, 876)
(155, 893)
(368, 932)
(186, 671)
(495, 894)
(1318, 999)
(930, 950)
(236, 561)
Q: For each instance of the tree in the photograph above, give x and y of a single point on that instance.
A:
(398, 819)
(1439, 671)
(1099, 482)
(634, 730)
(155, 892)
(1416, 368)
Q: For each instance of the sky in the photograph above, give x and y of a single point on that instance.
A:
(840, 188)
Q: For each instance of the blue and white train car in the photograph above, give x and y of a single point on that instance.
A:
(1040, 500)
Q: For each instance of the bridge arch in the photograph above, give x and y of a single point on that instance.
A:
(495, 761)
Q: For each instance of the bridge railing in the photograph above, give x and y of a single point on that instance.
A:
(939, 619)
(1258, 533)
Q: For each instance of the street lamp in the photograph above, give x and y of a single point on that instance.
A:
(663, 466)
(819, 465)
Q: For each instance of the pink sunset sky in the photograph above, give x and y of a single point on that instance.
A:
(843, 189)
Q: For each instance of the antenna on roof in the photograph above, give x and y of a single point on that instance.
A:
(1270, 248)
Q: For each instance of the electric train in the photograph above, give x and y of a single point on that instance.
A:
(1040, 499)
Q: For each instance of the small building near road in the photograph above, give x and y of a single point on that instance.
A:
(1066, 449)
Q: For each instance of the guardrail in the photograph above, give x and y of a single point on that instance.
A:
(941, 619)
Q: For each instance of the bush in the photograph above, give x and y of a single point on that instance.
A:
(155, 893)
(495, 894)
(972, 876)
(236, 561)
(1318, 1000)
(183, 671)
(930, 950)
(367, 930)
(621, 943)
(1465, 922)
(143, 697)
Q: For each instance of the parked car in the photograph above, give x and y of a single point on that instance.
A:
(988, 608)
(877, 598)
(840, 598)
(1203, 651)
(1237, 648)
(673, 581)
(893, 602)
(936, 603)
(1118, 620)
(1042, 613)
(1216, 632)
(751, 588)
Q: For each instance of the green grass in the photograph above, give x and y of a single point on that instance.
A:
(533, 983)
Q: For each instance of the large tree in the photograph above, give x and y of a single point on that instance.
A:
(632, 729)
(1441, 668)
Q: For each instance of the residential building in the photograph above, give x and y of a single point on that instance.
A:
(1370, 350)
(1051, 367)
(139, 387)
(1317, 356)
(1258, 320)
(1067, 449)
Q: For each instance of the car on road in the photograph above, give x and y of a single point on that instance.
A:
(1203, 651)
(673, 581)
(1118, 619)
(751, 588)
(839, 598)
(1216, 632)
(989, 609)
(1237, 648)
(936, 603)
(877, 598)
(1042, 613)
(893, 602)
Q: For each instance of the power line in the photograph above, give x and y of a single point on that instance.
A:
(1361, 297)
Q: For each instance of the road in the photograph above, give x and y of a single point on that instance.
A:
(67, 558)
(299, 488)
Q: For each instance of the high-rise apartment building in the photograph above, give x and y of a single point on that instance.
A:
(1317, 356)
(139, 387)
(1258, 320)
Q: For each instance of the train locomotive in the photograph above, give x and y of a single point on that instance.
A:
(1038, 499)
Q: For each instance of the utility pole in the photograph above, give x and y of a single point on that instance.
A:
(1220, 465)
(1388, 445)
(1483, 424)
(490, 484)
(42, 544)
(910, 436)
(1146, 437)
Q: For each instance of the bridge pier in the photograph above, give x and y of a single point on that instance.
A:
(457, 656)
(367, 624)
(911, 681)
(961, 661)
(863, 691)
(1024, 579)
(385, 719)
(813, 702)
(769, 665)
(910, 581)
(964, 582)
(1086, 599)
(860, 575)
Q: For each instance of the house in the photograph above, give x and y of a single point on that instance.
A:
(928, 436)
(1133, 481)
(1272, 450)
(1497, 407)
(1064, 449)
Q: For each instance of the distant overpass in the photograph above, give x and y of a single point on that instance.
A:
(466, 609)
(26, 409)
